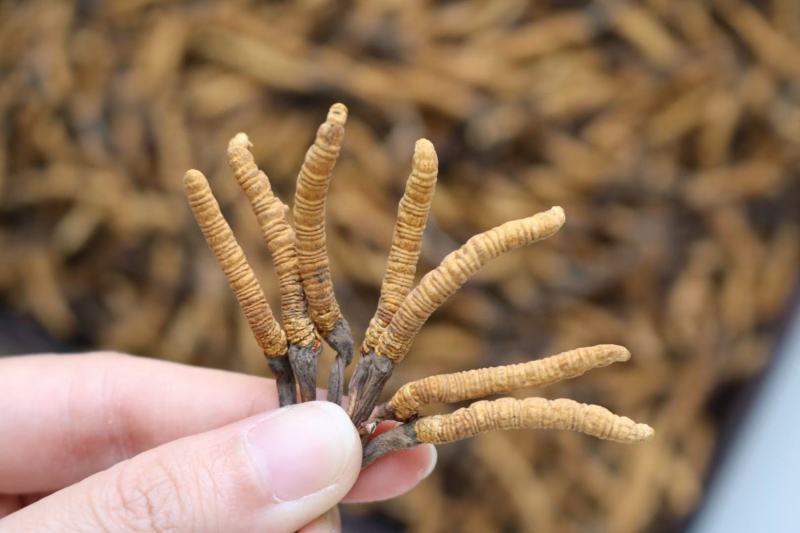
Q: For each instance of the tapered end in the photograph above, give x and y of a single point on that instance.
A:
(615, 353)
(425, 158)
(642, 432)
(194, 180)
(549, 222)
(240, 140)
(557, 212)
(337, 114)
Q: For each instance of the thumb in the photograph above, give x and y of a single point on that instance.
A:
(273, 472)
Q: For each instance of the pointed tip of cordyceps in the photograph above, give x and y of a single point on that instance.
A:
(615, 352)
(337, 114)
(425, 158)
(424, 147)
(194, 179)
(549, 222)
(558, 212)
(643, 432)
(240, 140)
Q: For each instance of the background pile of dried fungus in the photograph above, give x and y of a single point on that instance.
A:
(668, 130)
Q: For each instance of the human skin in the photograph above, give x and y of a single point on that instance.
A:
(102, 441)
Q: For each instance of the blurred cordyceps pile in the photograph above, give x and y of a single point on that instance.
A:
(669, 132)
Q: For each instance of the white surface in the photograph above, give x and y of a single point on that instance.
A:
(758, 486)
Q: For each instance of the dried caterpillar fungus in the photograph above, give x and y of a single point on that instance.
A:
(455, 269)
(412, 216)
(304, 346)
(529, 413)
(310, 310)
(266, 330)
(230, 256)
(309, 218)
(278, 235)
(472, 384)
(505, 414)
(433, 290)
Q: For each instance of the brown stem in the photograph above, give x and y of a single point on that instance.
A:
(336, 381)
(284, 379)
(369, 378)
(340, 339)
(399, 438)
(473, 384)
(303, 360)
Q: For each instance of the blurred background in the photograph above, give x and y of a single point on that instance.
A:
(667, 129)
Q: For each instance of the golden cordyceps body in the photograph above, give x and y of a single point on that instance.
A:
(268, 333)
(310, 309)
(439, 284)
(375, 367)
(309, 219)
(472, 384)
(412, 216)
(530, 413)
(279, 237)
(303, 343)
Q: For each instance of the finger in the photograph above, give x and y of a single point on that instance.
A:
(9, 504)
(330, 522)
(67, 417)
(272, 472)
(393, 475)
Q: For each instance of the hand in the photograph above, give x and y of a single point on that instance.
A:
(106, 442)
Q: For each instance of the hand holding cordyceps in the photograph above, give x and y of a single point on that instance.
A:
(102, 442)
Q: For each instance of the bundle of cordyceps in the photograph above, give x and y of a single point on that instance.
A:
(310, 312)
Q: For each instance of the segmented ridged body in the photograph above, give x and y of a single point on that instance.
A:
(412, 216)
(279, 238)
(268, 333)
(472, 384)
(529, 413)
(309, 218)
(439, 284)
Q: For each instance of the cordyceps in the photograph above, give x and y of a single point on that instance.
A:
(310, 311)
(309, 221)
(304, 345)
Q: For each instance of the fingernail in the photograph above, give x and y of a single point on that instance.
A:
(302, 449)
(430, 465)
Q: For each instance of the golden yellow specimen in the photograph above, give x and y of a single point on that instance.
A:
(304, 346)
(505, 413)
(471, 384)
(268, 333)
(455, 269)
(266, 330)
(375, 367)
(310, 310)
(529, 413)
(309, 219)
(412, 216)
(278, 236)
